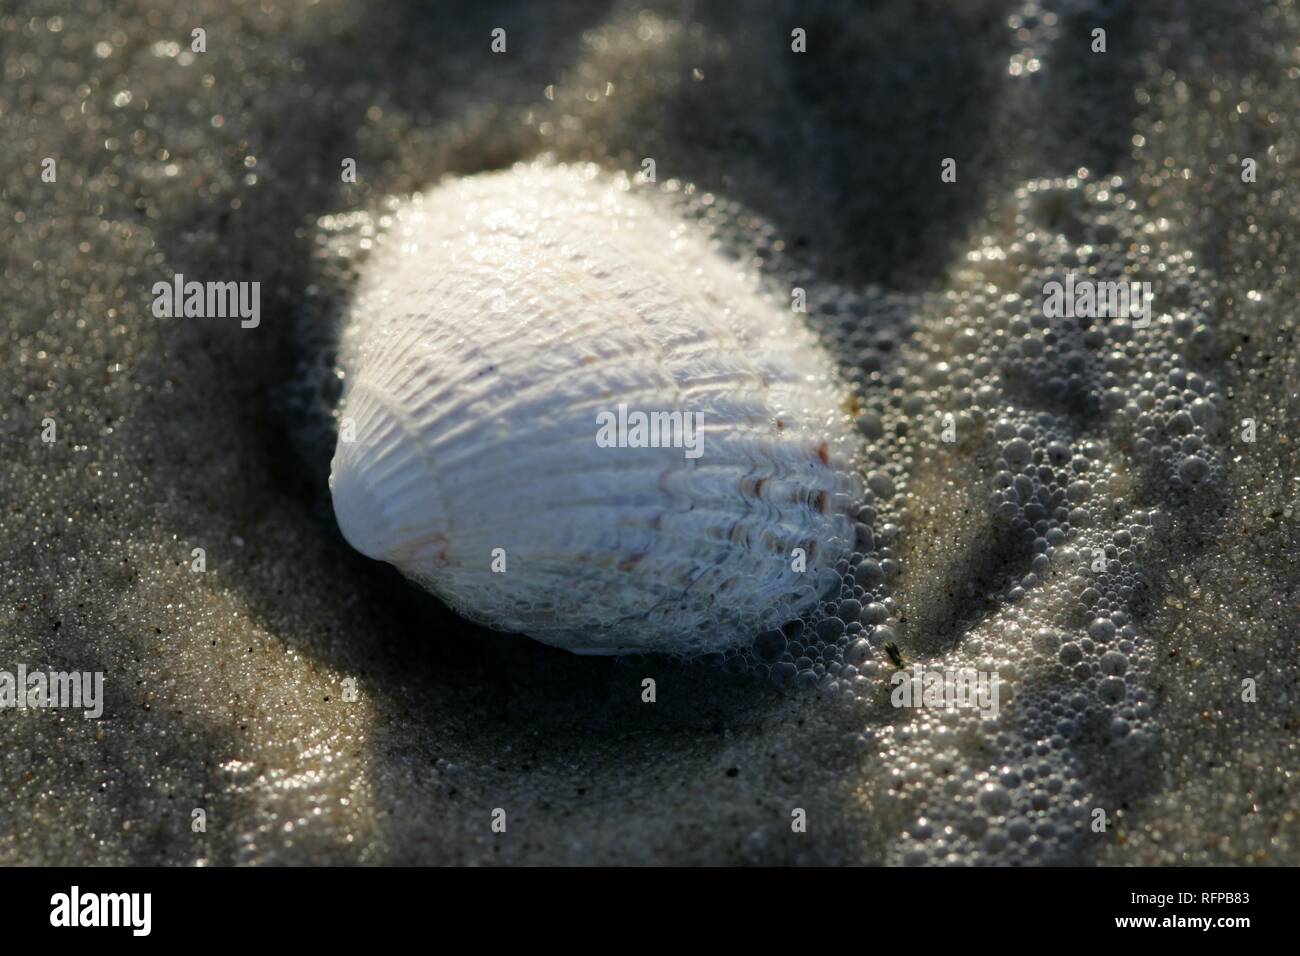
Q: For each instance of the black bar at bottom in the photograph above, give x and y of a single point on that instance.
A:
(331, 907)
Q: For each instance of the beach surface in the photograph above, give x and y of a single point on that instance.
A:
(318, 708)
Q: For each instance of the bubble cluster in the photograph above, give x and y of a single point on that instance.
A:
(1088, 436)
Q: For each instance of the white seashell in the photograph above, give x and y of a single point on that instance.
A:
(493, 324)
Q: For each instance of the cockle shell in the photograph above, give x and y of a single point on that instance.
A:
(499, 320)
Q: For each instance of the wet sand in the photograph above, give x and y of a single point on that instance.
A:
(225, 690)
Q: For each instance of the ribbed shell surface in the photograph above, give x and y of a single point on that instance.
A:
(498, 322)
